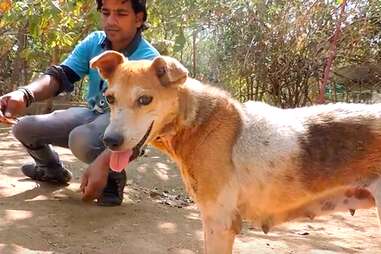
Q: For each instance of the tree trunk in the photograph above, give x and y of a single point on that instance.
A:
(331, 54)
(49, 105)
(18, 62)
(194, 52)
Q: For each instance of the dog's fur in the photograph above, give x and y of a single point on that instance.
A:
(247, 161)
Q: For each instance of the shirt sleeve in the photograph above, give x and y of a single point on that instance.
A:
(78, 59)
(65, 76)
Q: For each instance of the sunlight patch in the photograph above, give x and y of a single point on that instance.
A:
(38, 198)
(168, 227)
(142, 169)
(11, 186)
(16, 249)
(14, 215)
(161, 174)
(193, 216)
(162, 171)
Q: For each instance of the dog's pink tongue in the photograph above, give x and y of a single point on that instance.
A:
(120, 160)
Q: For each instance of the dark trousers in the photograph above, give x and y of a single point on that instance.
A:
(78, 128)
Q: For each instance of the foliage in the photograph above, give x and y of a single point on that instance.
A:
(46, 32)
(271, 50)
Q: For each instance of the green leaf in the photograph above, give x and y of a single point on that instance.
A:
(179, 41)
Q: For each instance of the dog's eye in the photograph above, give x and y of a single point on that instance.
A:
(110, 99)
(144, 100)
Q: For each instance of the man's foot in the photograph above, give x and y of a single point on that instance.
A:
(56, 174)
(113, 192)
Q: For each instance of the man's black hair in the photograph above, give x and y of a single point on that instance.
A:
(137, 6)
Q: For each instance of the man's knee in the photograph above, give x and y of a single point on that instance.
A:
(23, 130)
(85, 144)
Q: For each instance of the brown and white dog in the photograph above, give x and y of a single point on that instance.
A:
(243, 161)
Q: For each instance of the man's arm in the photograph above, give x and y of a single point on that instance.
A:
(57, 78)
(94, 179)
(44, 88)
(14, 103)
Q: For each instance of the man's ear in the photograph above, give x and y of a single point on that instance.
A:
(107, 63)
(139, 19)
(169, 70)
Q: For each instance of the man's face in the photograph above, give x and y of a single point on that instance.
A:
(120, 22)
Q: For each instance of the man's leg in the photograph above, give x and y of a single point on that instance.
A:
(37, 132)
(86, 143)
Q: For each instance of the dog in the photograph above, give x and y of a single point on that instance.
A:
(247, 161)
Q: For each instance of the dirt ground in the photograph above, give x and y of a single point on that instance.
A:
(156, 217)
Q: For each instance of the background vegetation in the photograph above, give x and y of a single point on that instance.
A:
(270, 50)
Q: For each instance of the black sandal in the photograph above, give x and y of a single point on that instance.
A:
(112, 194)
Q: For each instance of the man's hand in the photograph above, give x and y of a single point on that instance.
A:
(12, 104)
(95, 177)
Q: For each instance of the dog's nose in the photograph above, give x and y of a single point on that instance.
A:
(113, 140)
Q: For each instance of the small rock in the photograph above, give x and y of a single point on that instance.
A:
(154, 194)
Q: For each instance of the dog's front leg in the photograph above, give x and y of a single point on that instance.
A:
(220, 230)
(218, 239)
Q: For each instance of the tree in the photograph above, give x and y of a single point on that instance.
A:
(270, 50)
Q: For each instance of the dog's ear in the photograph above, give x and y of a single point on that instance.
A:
(107, 62)
(169, 70)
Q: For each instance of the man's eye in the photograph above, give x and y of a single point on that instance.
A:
(110, 99)
(144, 100)
(122, 13)
(105, 13)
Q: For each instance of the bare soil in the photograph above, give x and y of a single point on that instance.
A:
(156, 216)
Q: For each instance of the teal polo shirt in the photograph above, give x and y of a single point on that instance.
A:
(93, 45)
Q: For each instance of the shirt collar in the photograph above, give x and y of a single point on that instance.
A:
(130, 49)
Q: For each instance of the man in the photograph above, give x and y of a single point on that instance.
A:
(80, 129)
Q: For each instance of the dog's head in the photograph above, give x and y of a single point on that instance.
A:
(143, 98)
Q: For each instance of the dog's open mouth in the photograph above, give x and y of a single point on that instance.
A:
(120, 159)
